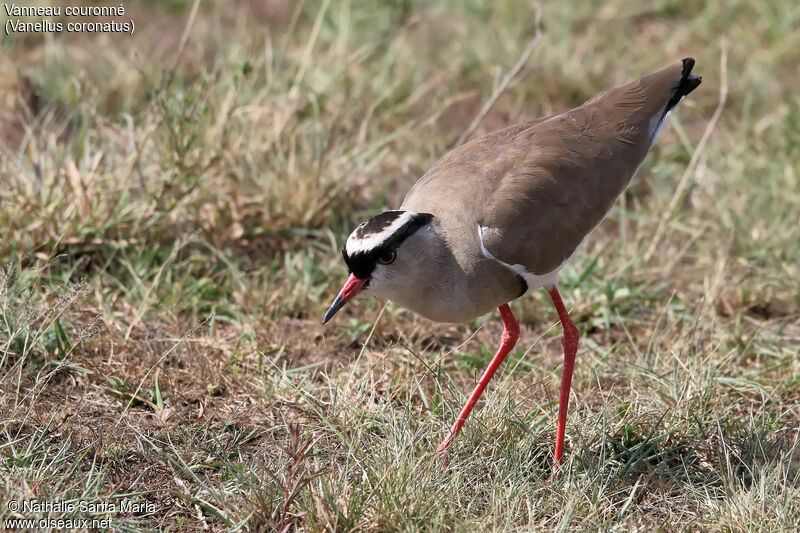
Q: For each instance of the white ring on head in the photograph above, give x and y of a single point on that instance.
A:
(355, 244)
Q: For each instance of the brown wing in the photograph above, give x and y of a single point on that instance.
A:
(565, 179)
(540, 187)
(571, 169)
(459, 187)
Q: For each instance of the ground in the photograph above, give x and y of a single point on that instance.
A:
(174, 203)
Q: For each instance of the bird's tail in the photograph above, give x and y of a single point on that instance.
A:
(664, 90)
(687, 84)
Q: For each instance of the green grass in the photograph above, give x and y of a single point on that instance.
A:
(172, 218)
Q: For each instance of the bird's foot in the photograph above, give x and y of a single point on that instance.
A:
(441, 450)
(557, 472)
(442, 459)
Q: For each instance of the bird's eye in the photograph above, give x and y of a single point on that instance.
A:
(387, 257)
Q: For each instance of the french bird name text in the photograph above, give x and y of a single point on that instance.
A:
(16, 25)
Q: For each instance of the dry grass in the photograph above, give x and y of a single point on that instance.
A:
(172, 214)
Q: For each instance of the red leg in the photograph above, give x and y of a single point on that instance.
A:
(507, 342)
(570, 343)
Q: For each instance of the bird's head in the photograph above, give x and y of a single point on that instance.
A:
(385, 255)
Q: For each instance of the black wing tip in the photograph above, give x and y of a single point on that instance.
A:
(688, 83)
(688, 65)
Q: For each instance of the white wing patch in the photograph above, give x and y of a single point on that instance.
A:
(534, 281)
(374, 240)
(657, 123)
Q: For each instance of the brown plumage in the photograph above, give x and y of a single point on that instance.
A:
(502, 214)
(556, 176)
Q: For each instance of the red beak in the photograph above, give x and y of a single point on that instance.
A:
(352, 286)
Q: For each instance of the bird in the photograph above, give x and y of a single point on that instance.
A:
(501, 215)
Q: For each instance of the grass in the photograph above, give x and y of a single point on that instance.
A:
(174, 202)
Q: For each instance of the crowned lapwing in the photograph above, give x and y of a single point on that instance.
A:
(500, 215)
